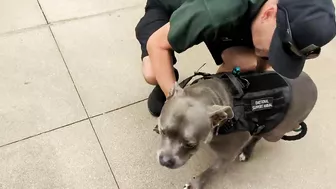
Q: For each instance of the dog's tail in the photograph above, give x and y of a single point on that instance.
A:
(303, 131)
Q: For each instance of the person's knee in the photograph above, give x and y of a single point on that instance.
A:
(148, 72)
(239, 56)
(149, 77)
(226, 56)
(229, 60)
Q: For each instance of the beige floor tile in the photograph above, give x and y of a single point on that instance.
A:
(37, 93)
(67, 9)
(130, 145)
(105, 60)
(66, 158)
(16, 14)
(197, 57)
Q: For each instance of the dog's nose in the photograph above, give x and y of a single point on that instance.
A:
(167, 161)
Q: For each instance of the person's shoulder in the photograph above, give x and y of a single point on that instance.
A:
(226, 11)
(216, 12)
(197, 20)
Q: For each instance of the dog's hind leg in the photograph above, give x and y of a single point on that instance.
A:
(247, 151)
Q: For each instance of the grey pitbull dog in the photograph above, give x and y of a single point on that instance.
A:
(189, 115)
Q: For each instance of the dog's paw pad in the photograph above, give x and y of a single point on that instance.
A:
(187, 186)
(242, 157)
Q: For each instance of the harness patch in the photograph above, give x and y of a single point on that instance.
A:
(262, 104)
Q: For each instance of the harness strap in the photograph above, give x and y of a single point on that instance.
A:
(188, 79)
(237, 82)
(302, 133)
(238, 85)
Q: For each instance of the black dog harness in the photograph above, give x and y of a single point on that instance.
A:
(260, 101)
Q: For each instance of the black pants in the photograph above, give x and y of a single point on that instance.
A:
(156, 16)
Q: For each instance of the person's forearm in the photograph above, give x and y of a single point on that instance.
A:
(162, 66)
(158, 49)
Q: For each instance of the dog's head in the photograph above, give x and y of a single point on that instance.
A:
(183, 124)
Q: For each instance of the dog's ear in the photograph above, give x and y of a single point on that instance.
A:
(219, 113)
(176, 90)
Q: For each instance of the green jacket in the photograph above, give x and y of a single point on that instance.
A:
(196, 21)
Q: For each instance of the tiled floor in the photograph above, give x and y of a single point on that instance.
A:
(73, 115)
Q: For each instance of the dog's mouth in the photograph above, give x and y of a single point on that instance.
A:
(175, 166)
(172, 167)
(175, 161)
(172, 162)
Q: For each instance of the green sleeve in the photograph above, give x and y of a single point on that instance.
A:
(189, 24)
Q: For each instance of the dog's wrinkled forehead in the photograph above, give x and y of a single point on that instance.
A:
(183, 115)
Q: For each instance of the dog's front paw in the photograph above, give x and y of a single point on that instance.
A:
(194, 184)
(242, 157)
(187, 186)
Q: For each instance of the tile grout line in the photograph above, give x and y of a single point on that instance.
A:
(119, 108)
(44, 132)
(23, 30)
(45, 17)
(65, 20)
(80, 98)
(96, 14)
(86, 112)
(72, 123)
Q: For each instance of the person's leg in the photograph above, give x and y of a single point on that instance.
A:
(240, 56)
(244, 58)
(230, 54)
(147, 71)
(155, 17)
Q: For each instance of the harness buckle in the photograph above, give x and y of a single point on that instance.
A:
(245, 82)
(225, 127)
(258, 129)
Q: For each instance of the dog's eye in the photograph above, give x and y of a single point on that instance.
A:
(189, 145)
